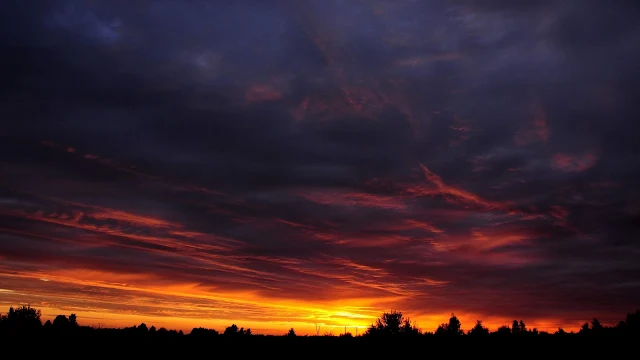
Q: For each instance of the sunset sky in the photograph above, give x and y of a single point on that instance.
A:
(279, 164)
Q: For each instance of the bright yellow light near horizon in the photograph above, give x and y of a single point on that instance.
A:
(351, 315)
(170, 304)
(119, 319)
(301, 314)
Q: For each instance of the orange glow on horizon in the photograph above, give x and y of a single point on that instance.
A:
(172, 306)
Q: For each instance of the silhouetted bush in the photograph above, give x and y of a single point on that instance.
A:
(503, 330)
(233, 331)
(202, 332)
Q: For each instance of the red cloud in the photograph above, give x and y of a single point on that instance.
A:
(456, 193)
(573, 163)
(260, 92)
(355, 199)
(559, 212)
(537, 131)
(422, 60)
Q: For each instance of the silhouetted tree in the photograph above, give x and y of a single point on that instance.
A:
(387, 324)
(408, 328)
(595, 328)
(291, 332)
(392, 324)
(142, 328)
(515, 327)
(503, 330)
(61, 323)
(452, 328)
(522, 326)
(633, 322)
(231, 330)
(234, 331)
(584, 330)
(518, 327)
(24, 319)
(479, 330)
(73, 321)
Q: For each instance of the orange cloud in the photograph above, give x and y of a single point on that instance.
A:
(487, 239)
(180, 305)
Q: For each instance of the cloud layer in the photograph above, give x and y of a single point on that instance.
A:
(279, 164)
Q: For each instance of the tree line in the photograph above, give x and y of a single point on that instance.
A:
(27, 320)
(394, 323)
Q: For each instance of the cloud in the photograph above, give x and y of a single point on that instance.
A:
(278, 165)
(569, 163)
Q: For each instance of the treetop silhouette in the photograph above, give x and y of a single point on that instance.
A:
(393, 323)
(27, 320)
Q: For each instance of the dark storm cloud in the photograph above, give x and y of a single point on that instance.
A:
(461, 153)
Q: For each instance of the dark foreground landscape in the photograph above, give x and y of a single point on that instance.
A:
(392, 333)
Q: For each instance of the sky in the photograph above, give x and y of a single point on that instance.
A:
(280, 164)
